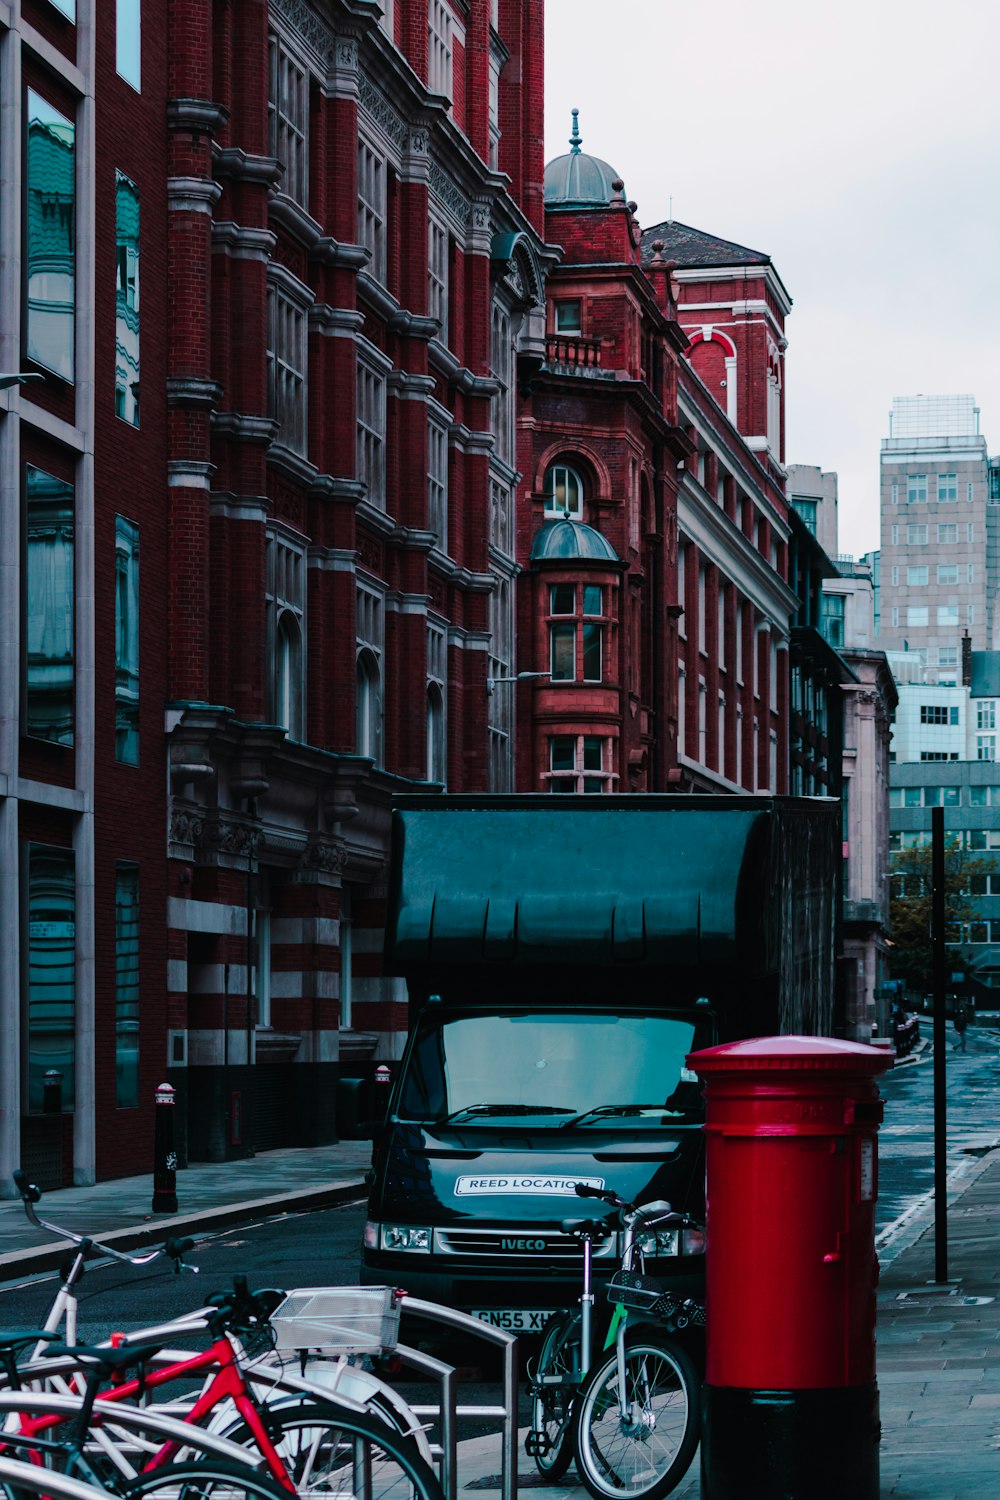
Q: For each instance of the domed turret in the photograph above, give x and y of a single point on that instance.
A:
(571, 541)
(577, 180)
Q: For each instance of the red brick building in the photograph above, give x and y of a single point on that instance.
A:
(664, 639)
(359, 246)
(436, 481)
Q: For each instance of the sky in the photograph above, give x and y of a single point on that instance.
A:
(858, 144)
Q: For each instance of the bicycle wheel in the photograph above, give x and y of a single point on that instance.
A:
(552, 1407)
(331, 1450)
(203, 1479)
(647, 1452)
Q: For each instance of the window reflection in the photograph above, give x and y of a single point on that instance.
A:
(126, 299)
(51, 971)
(127, 41)
(288, 675)
(126, 642)
(51, 205)
(127, 986)
(49, 607)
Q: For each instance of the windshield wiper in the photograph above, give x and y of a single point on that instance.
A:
(502, 1109)
(617, 1109)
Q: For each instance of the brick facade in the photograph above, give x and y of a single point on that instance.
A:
(371, 345)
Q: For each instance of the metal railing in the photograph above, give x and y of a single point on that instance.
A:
(448, 1413)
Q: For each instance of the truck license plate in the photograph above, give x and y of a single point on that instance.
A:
(515, 1320)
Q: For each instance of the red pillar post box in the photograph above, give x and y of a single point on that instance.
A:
(791, 1401)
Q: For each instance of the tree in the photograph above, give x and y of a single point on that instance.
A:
(911, 911)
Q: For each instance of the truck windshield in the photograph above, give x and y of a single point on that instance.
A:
(585, 1069)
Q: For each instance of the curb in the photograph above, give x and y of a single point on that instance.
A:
(914, 1223)
(37, 1259)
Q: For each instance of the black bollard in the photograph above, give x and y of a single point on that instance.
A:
(52, 1092)
(164, 1155)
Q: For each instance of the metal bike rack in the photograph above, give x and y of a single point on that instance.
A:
(446, 1412)
(448, 1317)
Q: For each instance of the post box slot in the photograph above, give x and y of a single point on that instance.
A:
(863, 1112)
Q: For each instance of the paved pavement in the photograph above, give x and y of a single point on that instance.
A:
(209, 1196)
(938, 1350)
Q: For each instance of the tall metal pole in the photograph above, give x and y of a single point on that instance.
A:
(940, 1046)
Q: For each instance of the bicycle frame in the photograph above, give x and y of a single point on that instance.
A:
(227, 1383)
(619, 1320)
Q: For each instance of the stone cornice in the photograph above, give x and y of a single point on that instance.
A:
(408, 387)
(292, 464)
(457, 374)
(414, 325)
(244, 427)
(192, 392)
(378, 297)
(243, 166)
(242, 241)
(336, 487)
(477, 442)
(297, 291)
(295, 221)
(199, 116)
(238, 507)
(189, 474)
(196, 195)
(336, 322)
(412, 539)
(463, 578)
(374, 518)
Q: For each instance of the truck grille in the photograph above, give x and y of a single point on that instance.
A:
(521, 1241)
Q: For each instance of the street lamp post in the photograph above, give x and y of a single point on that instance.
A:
(492, 683)
(7, 380)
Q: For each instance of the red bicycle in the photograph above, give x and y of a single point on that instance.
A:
(303, 1445)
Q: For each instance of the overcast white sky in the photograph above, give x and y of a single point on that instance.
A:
(858, 144)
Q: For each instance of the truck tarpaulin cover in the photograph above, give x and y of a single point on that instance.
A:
(722, 882)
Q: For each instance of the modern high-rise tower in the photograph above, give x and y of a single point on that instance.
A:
(937, 534)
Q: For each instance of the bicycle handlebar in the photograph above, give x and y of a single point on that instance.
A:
(241, 1309)
(674, 1219)
(584, 1190)
(31, 1194)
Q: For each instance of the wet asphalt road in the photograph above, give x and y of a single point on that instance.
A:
(320, 1248)
(906, 1139)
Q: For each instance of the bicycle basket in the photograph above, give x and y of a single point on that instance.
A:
(637, 1292)
(345, 1319)
(640, 1293)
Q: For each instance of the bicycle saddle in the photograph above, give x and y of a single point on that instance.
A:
(102, 1357)
(13, 1339)
(581, 1227)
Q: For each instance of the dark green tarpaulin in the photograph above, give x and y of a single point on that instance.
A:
(686, 881)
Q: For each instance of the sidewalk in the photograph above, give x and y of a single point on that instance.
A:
(209, 1195)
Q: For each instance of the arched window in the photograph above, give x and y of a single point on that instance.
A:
(288, 675)
(437, 758)
(564, 493)
(369, 707)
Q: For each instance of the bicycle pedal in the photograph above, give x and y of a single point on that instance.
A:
(537, 1444)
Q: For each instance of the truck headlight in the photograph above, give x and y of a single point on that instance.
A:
(657, 1242)
(401, 1237)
